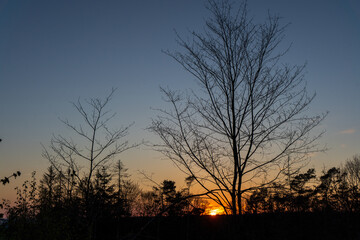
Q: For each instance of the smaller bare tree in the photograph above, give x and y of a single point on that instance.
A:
(352, 168)
(97, 145)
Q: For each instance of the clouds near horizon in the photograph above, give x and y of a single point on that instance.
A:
(348, 131)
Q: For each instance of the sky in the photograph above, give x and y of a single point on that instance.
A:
(54, 52)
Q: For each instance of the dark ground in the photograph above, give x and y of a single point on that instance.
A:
(266, 226)
(247, 227)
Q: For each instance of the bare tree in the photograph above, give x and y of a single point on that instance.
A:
(352, 169)
(100, 143)
(236, 133)
(127, 190)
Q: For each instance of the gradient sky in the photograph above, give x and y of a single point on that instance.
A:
(52, 52)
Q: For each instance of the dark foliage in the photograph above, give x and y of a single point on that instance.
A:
(6, 180)
(332, 192)
(59, 207)
(305, 207)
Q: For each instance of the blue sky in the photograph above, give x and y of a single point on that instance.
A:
(52, 52)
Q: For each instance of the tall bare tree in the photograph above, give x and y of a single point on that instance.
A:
(235, 134)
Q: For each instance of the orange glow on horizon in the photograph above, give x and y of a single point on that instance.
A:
(214, 211)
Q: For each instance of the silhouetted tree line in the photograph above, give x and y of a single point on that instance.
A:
(59, 207)
(336, 190)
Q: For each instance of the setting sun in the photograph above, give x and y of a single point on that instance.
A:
(215, 211)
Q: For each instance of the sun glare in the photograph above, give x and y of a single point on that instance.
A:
(214, 212)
